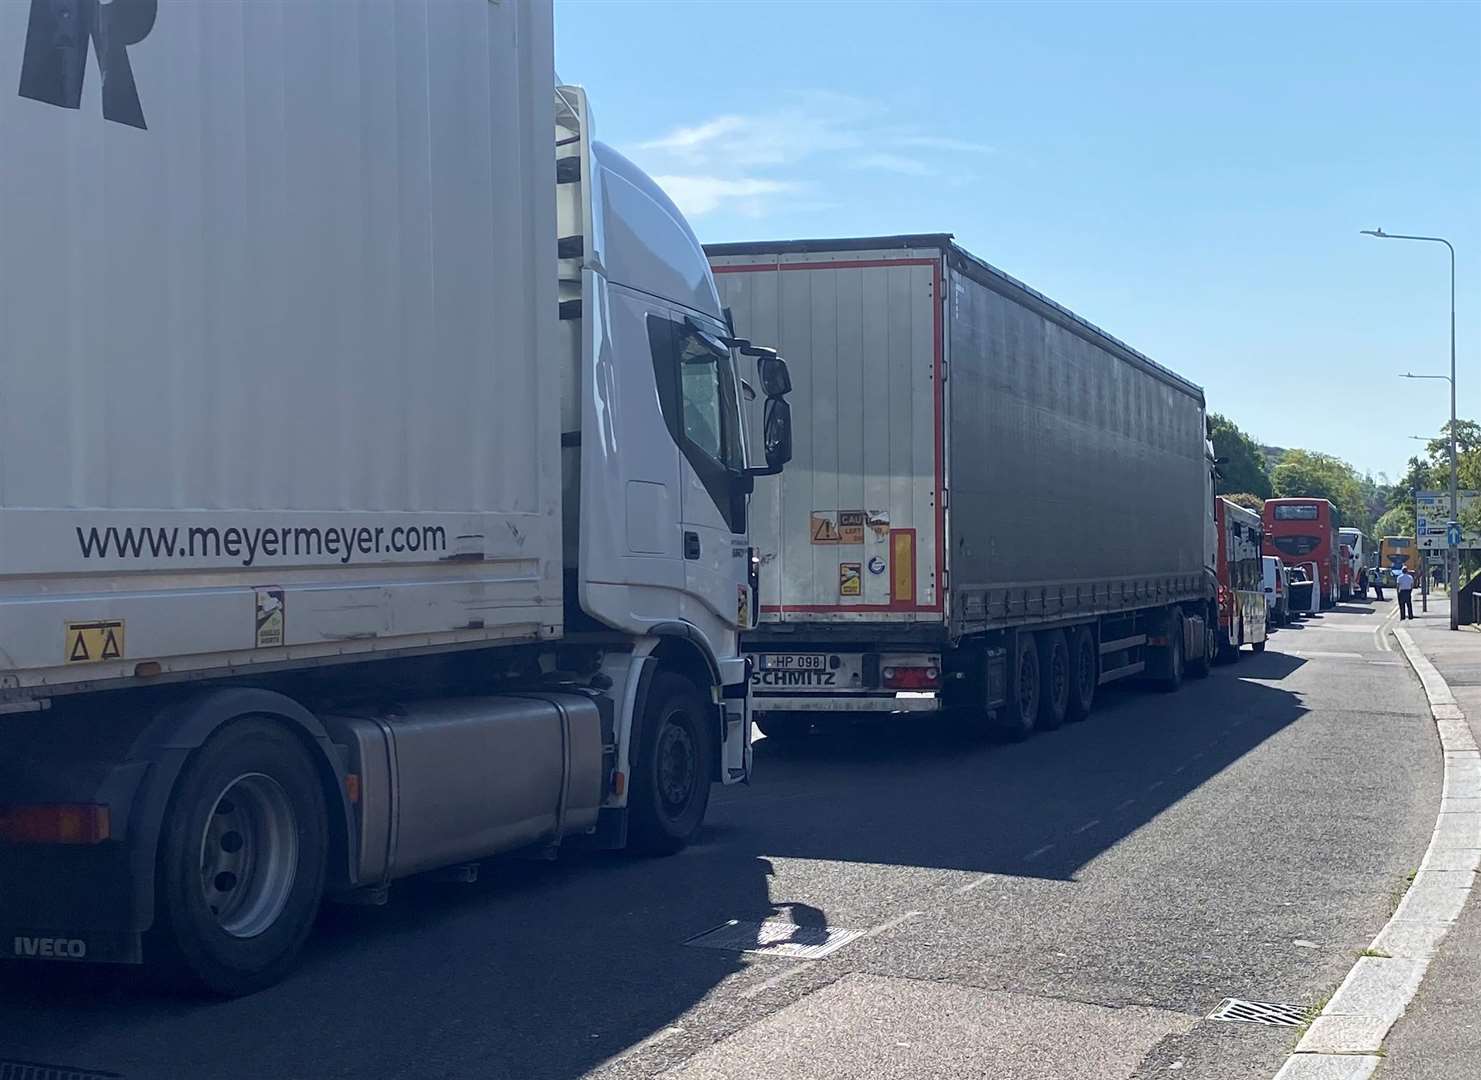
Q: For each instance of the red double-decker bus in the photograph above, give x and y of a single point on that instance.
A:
(1305, 531)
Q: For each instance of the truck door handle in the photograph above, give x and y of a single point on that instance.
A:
(691, 545)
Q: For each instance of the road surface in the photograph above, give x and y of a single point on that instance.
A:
(1071, 906)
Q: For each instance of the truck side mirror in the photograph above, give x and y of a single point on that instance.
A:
(776, 434)
(777, 429)
(776, 380)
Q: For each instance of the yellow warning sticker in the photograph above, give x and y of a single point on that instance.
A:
(823, 527)
(90, 642)
(269, 618)
(850, 526)
(742, 607)
(850, 581)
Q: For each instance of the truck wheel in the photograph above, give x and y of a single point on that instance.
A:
(1258, 646)
(1173, 678)
(784, 727)
(1084, 673)
(1021, 713)
(241, 860)
(1199, 666)
(1054, 679)
(671, 768)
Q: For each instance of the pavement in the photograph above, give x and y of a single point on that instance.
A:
(1074, 906)
(1439, 1037)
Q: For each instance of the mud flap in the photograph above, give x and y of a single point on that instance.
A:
(735, 744)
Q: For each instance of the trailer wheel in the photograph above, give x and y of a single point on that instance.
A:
(671, 769)
(784, 727)
(1021, 712)
(241, 861)
(1084, 673)
(1054, 676)
(1173, 677)
(1258, 646)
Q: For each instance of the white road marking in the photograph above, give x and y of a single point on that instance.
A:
(780, 977)
(896, 921)
(1347, 1036)
(1154, 785)
(973, 884)
(1122, 805)
(1032, 855)
(1314, 654)
(1092, 823)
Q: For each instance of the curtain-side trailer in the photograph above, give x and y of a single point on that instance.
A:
(996, 507)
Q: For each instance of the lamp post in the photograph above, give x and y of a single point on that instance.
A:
(1452, 555)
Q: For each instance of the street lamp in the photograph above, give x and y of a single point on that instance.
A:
(1452, 569)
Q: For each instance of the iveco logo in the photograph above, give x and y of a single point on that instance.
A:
(55, 947)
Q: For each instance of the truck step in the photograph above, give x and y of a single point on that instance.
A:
(570, 247)
(570, 309)
(568, 170)
(1122, 672)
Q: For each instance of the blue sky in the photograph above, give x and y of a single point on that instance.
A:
(1191, 177)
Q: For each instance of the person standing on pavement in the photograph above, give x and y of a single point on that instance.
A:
(1406, 594)
(1362, 583)
(1378, 583)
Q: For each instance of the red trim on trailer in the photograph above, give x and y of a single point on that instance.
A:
(938, 404)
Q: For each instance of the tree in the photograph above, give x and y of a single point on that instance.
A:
(1308, 474)
(1248, 501)
(1398, 521)
(1245, 469)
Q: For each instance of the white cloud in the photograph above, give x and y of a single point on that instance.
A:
(943, 142)
(743, 162)
(692, 139)
(896, 163)
(696, 195)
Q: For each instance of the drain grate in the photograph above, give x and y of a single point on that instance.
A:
(1259, 1012)
(774, 938)
(34, 1070)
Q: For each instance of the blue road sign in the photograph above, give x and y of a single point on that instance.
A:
(1452, 534)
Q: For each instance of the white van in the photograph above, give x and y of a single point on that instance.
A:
(1277, 587)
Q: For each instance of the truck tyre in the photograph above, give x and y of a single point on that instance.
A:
(1258, 646)
(1084, 673)
(1200, 665)
(241, 861)
(671, 768)
(1054, 679)
(1021, 713)
(785, 727)
(1172, 678)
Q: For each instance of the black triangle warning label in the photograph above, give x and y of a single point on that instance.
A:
(90, 642)
(824, 529)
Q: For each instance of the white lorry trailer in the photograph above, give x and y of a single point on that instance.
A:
(373, 484)
(996, 507)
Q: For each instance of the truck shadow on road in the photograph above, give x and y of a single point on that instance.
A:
(546, 971)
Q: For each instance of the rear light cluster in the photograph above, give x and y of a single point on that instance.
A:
(911, 678)
(69, 823)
